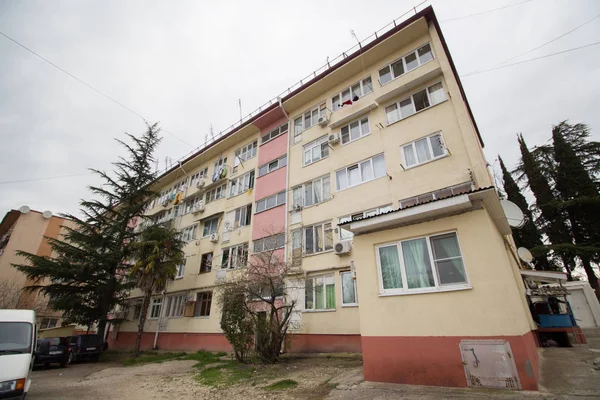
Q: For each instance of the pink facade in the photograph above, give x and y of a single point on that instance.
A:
(269, 222)
(271, 183)
(272, 149)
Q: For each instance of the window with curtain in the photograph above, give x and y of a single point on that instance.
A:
(422, 264)
(318, 238)
(412, 60)
(315, 150)
(362, 172)
(348, 289)
(355, 130)
(418, 101)
(313, 192)
(155, 307)
(423, 150)
(320, 293)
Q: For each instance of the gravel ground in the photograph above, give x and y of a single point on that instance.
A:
(175, 379)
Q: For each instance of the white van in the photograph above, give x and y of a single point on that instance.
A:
(17, 346)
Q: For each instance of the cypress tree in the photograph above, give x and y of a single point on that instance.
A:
(92, 257)
(529, 235)
(554, 220)
(579, 197)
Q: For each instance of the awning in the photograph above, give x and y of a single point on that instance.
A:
(457, 204)
(544, 276)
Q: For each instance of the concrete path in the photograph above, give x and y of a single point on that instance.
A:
(565, 373)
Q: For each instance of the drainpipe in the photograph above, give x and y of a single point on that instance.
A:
(287, 177)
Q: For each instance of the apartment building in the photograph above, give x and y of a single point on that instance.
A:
(27, 230)
(371, 176)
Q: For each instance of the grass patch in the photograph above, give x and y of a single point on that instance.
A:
(282, 385)
(151, 357)
(228, 374)
(204, 357)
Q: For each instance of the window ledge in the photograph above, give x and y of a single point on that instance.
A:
(314, 162)
(352, 141)
(179, 277)
(354, 305)
(362, 183)
(426, 162)
(416, 113)
(424, 291)
(270, 172)
(316, 254)
(258, 212)
(270, 140)
(312, 205)
(319, 311)
(202, 317)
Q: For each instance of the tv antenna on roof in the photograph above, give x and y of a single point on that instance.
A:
(514, 215)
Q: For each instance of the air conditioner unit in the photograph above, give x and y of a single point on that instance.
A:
(198, 208)
(343, 247)
(214, 238)
(323, 121)
(201, 183)
(334, 138)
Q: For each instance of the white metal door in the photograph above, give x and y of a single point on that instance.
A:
(489, 363)
(581, 309)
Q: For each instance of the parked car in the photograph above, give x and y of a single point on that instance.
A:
(54, 350)
(17, 339)
(85, 347)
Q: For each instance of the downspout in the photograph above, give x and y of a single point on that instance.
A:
(287, 176)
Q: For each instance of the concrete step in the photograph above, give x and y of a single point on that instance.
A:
(594, 343)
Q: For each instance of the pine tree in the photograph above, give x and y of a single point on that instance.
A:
(527, 236)
(554, 220)
(580, 198)
(158, 251)
(92, 257)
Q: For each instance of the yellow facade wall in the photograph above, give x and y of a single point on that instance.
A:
(492, 306)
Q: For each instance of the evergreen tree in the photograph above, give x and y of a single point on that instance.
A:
(158, 251)
(90, 259)
(554, 226)
(527, 236)
(580, 198)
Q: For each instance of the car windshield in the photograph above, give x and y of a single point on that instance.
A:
(15, 337)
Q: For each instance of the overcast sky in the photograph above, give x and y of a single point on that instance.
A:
(186, 63)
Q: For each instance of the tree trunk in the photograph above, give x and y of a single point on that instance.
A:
(143, 314)
(100, 328)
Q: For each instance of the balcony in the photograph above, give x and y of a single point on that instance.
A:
(407, 82)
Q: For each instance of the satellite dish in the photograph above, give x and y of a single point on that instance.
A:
(47, 214)
(525, 254)
(24, 209)
(513, 213)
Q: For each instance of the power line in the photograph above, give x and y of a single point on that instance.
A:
(86, 84)
(550, 41)
(486, 11)
(529, 60)
(46, 178)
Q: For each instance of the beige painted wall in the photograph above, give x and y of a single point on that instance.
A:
(491, 307)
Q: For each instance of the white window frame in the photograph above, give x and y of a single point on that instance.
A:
(194, 179)
(280, 199)
(355, 303)
(299, 192)
(264, 244)
(175, 306)
(312, 114)
(321, 142)
(326, 278)
(215, 194)
(323, 226)
(413, 145)
(362, 122)
(245, 153)
(359, 215)
(437, 286)
(189, 233)
(208, 300)
(155, 305)
(358, 165)
(211, 222)
(412, 102)
(365, 86)
(190, 204)
(281, 162)
(241, 216)
(234, 253)
(181, 269)
(403, 60)
(241, 184)
(280, 130)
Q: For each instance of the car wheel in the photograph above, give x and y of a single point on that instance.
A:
(71, 358)
(63, 364)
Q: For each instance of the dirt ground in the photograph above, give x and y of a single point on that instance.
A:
(564, 374)
(175, 379)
